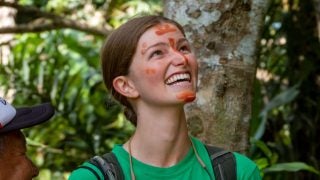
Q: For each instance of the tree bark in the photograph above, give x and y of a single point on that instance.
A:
(225, 35)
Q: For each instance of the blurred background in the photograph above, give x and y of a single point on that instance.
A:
(52, 55)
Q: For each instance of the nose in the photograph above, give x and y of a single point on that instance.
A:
(179, 59)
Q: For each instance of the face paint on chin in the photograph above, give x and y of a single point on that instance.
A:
(164, 28)
(186, 96)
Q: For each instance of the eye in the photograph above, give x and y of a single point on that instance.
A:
(156, 54)
(185, 49)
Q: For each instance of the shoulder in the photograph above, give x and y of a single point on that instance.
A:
(86, 171)
(246, 168)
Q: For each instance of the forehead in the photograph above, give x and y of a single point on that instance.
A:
(160, 31)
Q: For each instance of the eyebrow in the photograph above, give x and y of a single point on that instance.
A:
(181, 40)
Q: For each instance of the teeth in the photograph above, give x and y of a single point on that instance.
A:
(178, 77)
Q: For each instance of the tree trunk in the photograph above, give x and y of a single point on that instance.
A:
(225, 35)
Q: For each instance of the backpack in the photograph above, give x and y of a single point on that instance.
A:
(223, 163)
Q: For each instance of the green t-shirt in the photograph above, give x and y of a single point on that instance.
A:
(187, 168)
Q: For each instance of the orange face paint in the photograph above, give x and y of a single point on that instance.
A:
(186, 96)
(172, 43)
(150, 71)
(164, 28)
(143, 48)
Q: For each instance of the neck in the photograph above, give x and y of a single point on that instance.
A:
(161, 137)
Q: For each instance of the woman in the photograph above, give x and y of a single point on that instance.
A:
(149, 67)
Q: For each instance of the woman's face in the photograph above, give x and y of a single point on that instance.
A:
(164, 69)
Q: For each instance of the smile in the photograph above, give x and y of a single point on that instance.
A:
(178, 78)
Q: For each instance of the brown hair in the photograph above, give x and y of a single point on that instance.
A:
(119, 49)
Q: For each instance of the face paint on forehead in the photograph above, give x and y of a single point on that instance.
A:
(165, 28)
(186, 96)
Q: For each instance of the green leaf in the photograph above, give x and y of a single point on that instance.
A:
(281, 99)
(261, 145)
(262, 163)
(292, 167)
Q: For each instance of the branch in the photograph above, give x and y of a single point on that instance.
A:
(28, 9)
(57, 22)
(25, 28)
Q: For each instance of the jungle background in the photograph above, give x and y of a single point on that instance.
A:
(58, 62)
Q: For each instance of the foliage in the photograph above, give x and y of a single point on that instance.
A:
(62, 67)
(285, 132)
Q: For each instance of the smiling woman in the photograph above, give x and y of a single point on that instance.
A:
(148, 66)
(118, 51)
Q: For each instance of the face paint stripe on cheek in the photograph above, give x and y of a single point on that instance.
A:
(150, 71)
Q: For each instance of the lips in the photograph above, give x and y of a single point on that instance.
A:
(175, 78)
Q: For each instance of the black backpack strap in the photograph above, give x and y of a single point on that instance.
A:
(223, 163)
(109, 166)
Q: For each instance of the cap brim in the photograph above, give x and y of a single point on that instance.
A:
(29, 116)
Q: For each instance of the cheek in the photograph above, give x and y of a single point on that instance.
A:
(150, 71)
(192, 61)
(152, 75)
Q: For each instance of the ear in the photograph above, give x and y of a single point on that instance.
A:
(125, 87)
